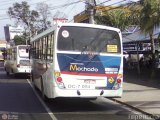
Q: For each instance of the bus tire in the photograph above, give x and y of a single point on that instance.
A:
(44, 97)
(31, 77)
(7, 73)
(32, 80)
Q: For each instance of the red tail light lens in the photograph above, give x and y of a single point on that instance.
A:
(118, 80)
(59, 79)
(18, 65)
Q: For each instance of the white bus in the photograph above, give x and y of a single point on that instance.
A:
(78, 60)
(17, 60)
(1, 55)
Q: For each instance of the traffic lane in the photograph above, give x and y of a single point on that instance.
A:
(18, 99)
(3, 74)
(2, 71)
(64, 109)
(16, 95)
(78, 109)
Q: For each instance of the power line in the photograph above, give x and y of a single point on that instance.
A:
(72, 9)
(72, 3)
(52, 8)
(64, 9)
(103, 2)
(57, 7)
(39, 2)
(67, 1)
(21, 1)
(117, 2)
(11, 3)
(64, 5)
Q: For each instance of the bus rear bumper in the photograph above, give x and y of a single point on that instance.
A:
(87, 93)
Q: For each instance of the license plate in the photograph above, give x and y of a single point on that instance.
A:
(85, 86)
(25, 67)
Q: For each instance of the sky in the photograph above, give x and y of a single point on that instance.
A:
(68, 11)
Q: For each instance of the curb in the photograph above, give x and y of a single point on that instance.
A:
(156, 117)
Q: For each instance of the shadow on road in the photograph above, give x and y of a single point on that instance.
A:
(144, 78)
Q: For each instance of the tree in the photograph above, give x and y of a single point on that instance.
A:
(149, 20)
(116, 17)
(20, 40)
(44, 13)
(22, 14)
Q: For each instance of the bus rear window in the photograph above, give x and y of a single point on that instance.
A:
(88, 39)
(22, 51)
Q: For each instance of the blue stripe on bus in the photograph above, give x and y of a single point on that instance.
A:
(83, 63)
(74, 63)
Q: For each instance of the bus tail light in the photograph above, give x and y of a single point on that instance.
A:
(18, 65)
(118, 82)
(59, 79)
(60, 82)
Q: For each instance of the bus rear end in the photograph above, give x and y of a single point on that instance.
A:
(2, 50)
(88, 62)
(23, 62)
(1, 56)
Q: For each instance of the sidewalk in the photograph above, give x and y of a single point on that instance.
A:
(141, 93)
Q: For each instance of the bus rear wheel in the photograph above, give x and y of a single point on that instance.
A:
(32, 81)
(44, 97)
(7, 73)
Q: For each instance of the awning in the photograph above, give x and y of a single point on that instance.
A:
(140, 36)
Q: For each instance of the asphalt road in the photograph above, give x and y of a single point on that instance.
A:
(19, 101)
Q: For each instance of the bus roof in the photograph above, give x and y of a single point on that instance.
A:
(73, 24)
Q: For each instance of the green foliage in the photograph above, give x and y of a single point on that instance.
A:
(149, 12)
(22, 14)
(149, 16)
(118, 17)
(20, 40)
(32, 20)
(103, 20)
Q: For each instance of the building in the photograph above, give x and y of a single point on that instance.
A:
(82, 17)
(3, 44)
(139, 41)
(12, 31)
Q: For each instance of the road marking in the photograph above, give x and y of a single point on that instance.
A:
(141, 104)
(42, 102)
(154, 107)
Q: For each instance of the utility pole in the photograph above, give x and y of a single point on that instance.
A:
(29, 28)
(91, 8)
